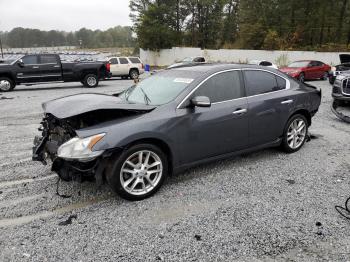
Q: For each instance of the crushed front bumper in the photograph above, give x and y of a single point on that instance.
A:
(337, 103)
(71, 169)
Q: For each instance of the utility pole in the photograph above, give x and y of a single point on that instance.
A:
(2, 53)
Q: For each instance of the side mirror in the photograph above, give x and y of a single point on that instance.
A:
(201, 101)
(20, 63)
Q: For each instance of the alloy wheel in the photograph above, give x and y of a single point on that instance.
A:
(141, 172)
(91, 81)
(296, 133)
(5, 85)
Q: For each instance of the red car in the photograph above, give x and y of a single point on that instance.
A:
(307, 70)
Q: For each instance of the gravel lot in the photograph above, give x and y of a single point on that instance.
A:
(260, 206)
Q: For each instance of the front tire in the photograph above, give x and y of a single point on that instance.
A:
(325, 76)
(301, 77)
(295, 133)
(138, 172)
(134, 74)
(6, 84)
(90, 80)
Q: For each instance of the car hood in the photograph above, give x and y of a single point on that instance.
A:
(73, 105)
(178, 64)
(344, 58)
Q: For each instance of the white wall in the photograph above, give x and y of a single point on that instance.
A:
(169, 56)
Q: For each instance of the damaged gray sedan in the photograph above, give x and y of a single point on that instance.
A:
(171, 121)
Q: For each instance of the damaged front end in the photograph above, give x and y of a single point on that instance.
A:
(74, 157)
(341, 98)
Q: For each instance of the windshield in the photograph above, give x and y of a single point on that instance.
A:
(187, 59)
(299, 64)
(158, 89)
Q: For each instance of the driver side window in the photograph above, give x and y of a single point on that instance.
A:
(30, 60)
(222, 87)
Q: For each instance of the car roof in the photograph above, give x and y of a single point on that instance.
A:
(214, 67)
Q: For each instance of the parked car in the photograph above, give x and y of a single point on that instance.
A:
(126, 67)
(307, 70)
(173, 120)
(341, 96)
(339, 69)
(263, 63)
(33, 69)
(189, 61)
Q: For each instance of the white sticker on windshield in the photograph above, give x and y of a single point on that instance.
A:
(183, 80)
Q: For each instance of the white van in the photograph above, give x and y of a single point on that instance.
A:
(126, 67)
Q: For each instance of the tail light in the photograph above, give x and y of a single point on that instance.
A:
(108, 66)
(142, 66)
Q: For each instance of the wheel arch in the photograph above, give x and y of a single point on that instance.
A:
(9, 76)
(164, 146)
(134, 68)
(303, 112)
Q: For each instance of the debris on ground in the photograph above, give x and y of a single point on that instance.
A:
(4, 97)
(291, 181)
(68, 221)
(198, 237)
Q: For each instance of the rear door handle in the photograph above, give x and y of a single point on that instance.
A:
(56, 66)
(287, 102)
(35, 67)
(240, 112)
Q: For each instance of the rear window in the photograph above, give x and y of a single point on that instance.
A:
(48, 59)
(134, 60)
(261, 82)
(123, 60)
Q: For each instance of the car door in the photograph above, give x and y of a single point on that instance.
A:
(124, 65)
(269, 104)
(316, 70)
(114, 66)
(28, 69)
(220, 128)
(50, 66)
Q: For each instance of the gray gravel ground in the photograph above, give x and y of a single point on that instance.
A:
(260, 206)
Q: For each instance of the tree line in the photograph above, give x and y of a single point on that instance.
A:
(119, 36)
(248, 24)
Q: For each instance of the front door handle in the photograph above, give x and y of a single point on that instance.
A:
(287, 102)
(56, 66)
(240, 111)
(35, 67)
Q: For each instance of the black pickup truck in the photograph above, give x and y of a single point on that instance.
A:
(41, 68)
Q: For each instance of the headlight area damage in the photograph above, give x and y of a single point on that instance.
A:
(341, 95)
(74, 157)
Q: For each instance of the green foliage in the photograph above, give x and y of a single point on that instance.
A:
(114, 37)
(247, 24)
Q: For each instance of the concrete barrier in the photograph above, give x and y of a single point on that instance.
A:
(167, 57)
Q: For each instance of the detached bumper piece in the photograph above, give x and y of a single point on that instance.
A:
(340, 114)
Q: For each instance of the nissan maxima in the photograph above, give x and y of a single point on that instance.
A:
(172, 121)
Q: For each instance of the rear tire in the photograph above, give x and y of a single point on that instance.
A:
(6, 84)
(90, 80)
(138, 172)
(295, 133)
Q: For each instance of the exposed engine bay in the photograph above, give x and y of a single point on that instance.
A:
(341, 97)
(56, 131)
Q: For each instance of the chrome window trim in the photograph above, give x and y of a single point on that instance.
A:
(246, 97)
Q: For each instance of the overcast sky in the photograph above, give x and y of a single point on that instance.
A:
(66, 15)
